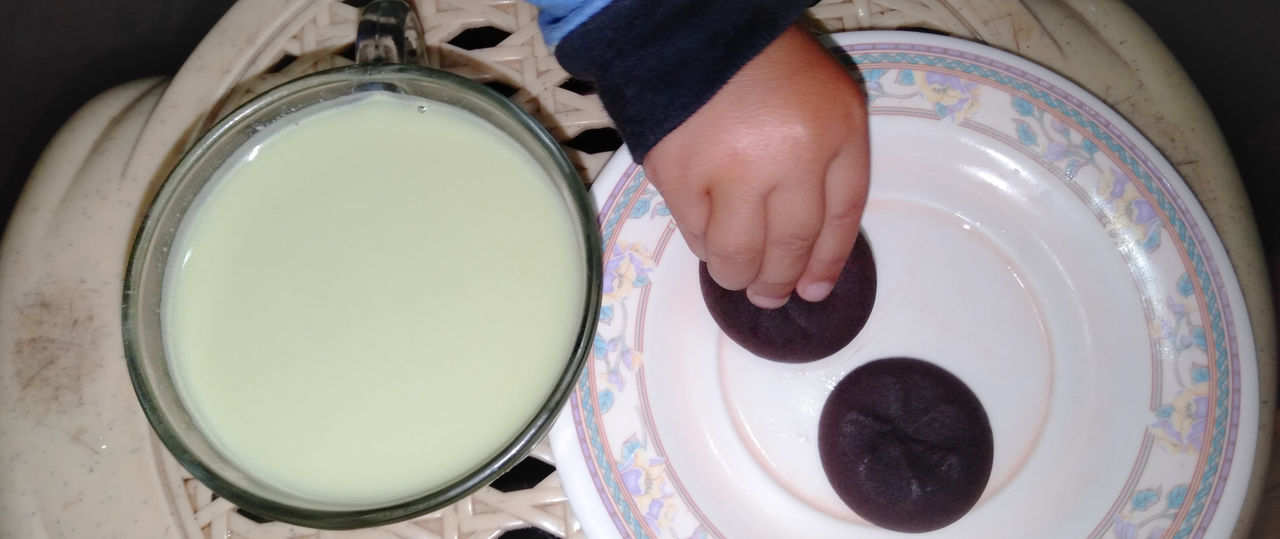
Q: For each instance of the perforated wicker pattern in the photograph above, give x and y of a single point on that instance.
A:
(497, 42)
(513, 57)
(485, 514)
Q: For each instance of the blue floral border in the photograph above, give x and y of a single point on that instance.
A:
(611, 214)
(1226, 356)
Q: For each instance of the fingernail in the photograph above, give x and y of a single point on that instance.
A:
(766, 302)
(815, 292)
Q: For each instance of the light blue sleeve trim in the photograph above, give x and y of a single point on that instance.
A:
(559, 17)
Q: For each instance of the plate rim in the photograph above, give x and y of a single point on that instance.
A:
(1234, 317)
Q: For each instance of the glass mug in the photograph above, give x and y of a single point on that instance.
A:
(388, 44)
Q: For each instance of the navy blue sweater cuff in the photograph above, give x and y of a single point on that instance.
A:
(656, 62)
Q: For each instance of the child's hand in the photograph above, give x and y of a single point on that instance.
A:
(767, 181)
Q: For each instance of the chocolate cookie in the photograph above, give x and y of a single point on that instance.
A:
(905, 444)
(799, 331)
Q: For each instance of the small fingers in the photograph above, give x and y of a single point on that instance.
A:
(846, 197)
(734, 240)
(792, 224)
(690, 208)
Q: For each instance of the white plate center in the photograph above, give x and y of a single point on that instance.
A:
(1010, 295)
(947, 294)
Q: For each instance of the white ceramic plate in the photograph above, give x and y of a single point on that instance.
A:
(1027, 239)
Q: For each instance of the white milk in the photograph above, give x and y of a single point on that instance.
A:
(372, 301)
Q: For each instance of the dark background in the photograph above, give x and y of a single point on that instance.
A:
(58, 54)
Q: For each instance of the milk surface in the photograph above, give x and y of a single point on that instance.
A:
(373, 300)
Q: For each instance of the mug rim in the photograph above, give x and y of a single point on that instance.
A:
(147, 238)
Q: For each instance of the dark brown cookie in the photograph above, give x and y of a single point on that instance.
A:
(799, 331)
(905, 444)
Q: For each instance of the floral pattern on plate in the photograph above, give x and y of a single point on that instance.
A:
(1179, 473)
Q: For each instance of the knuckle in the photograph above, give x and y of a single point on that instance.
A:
(696, 245)
(844, 218)
(731, 258)
(772, 287)
(693, 235)
(728, 282)
(815, 132)
(732, 270)
(826, 266)
(792, 244)
(828, 262)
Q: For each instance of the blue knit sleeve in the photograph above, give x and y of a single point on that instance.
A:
(559, 17)
(655, 62)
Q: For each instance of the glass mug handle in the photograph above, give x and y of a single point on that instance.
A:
(388, 33)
